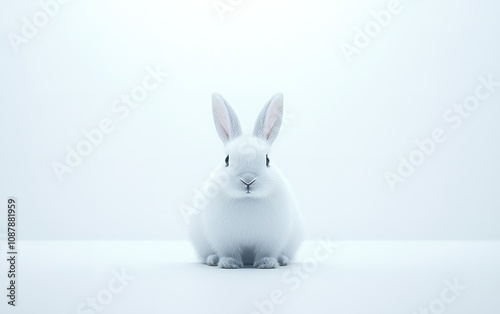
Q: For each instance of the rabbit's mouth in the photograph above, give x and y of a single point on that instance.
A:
(248, 184)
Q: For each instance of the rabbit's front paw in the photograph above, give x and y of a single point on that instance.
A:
(266, 262)
(283, 260)
(230, 262)
(212, 260)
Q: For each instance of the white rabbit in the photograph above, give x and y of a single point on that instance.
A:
(253, 218)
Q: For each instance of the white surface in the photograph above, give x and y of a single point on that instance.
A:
(359, 277)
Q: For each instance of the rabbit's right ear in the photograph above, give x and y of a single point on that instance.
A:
(268, 123)
(226, 122)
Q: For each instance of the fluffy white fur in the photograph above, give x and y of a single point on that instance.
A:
(254, 217)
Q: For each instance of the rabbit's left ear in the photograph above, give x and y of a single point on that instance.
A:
(225, 119)
(268, 123)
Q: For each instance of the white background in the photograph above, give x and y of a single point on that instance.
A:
(347, 123)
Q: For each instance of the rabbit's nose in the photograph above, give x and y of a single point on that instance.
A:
(248, 178)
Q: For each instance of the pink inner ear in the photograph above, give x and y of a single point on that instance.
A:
(222, 116)
(272, 116)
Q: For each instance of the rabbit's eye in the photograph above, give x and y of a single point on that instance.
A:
(267, 161)
(227, 160)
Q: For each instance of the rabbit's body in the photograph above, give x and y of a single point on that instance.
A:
(252, 216)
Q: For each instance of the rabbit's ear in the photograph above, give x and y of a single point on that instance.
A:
(268, 123)
(226, 121)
